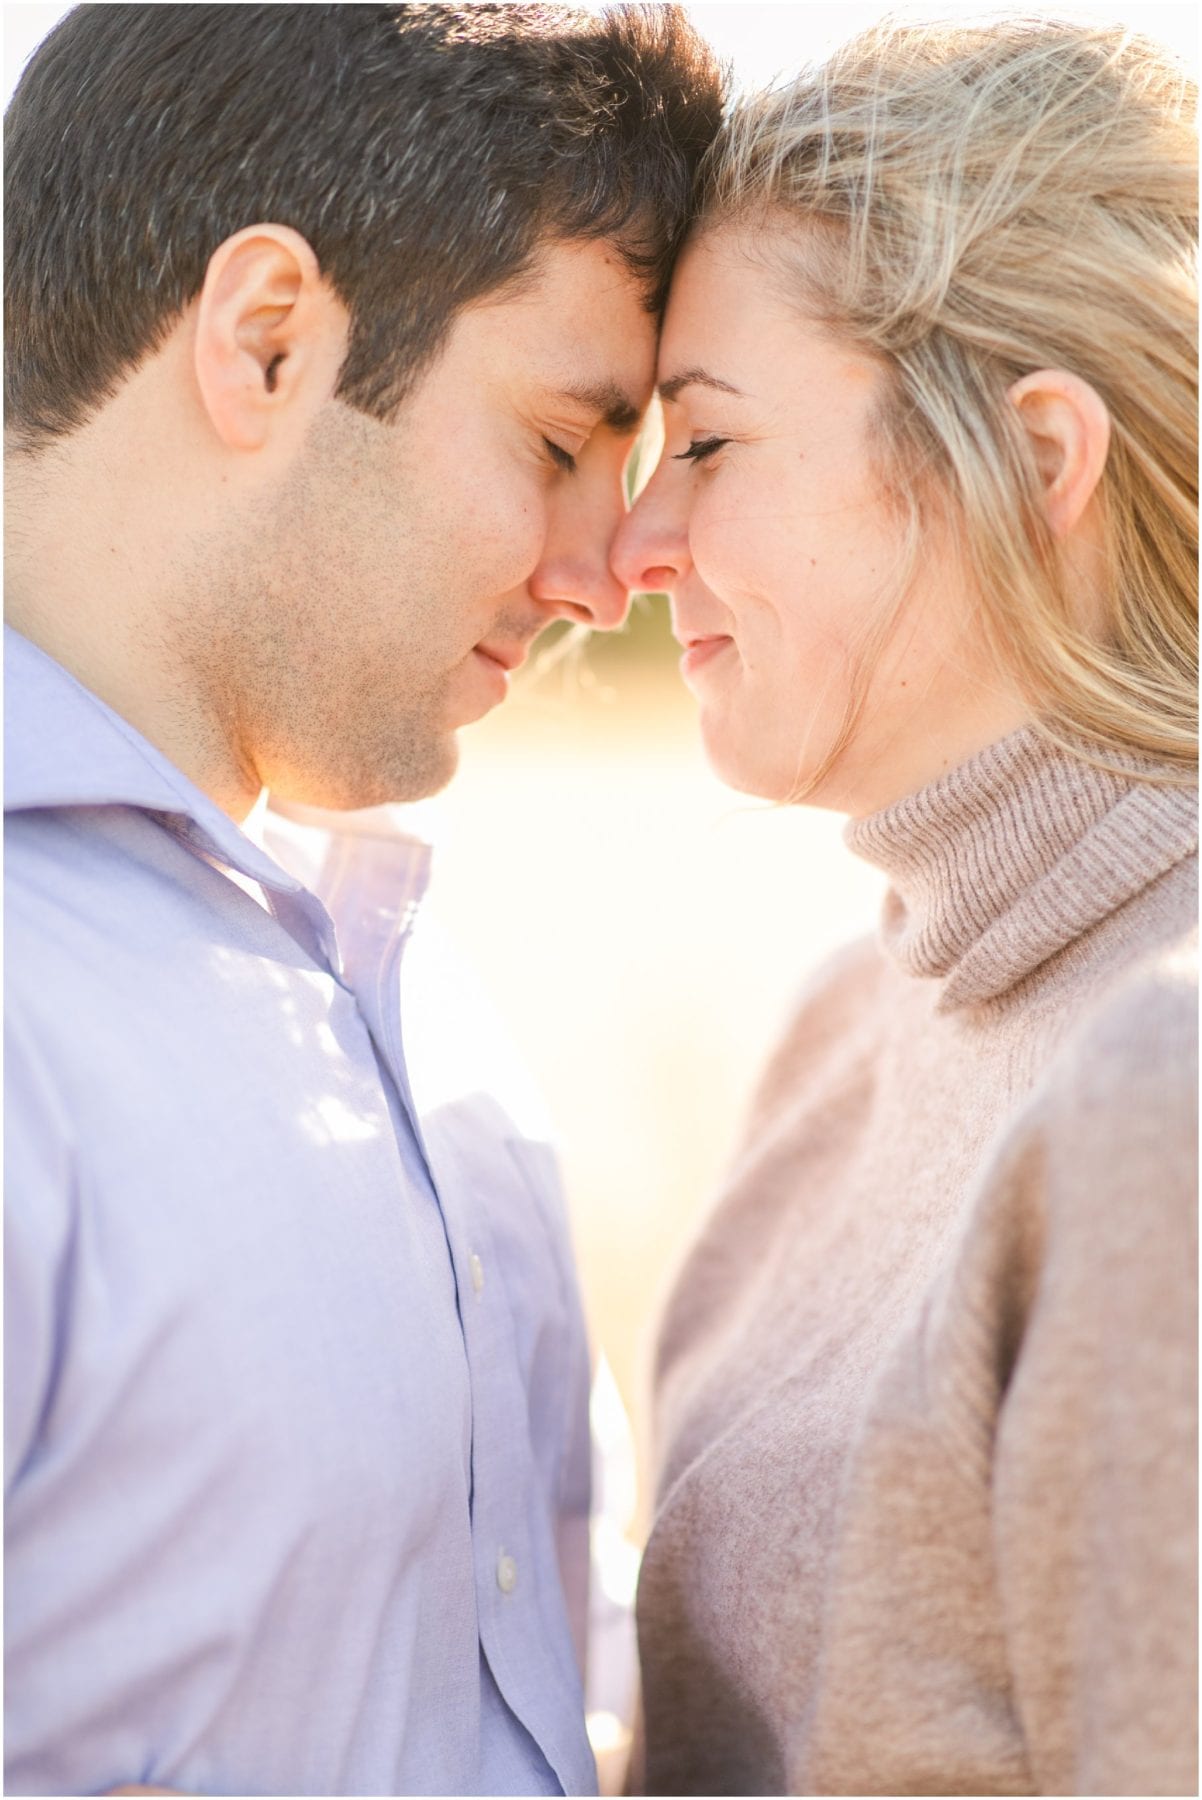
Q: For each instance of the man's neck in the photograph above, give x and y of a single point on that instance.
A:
(80, 584)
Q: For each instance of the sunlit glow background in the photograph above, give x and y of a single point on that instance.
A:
(641, 928)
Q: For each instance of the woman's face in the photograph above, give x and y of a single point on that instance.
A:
(768, 525)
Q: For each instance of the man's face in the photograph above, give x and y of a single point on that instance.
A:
(375, 601)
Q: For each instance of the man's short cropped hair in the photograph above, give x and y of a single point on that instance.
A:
(424, 151)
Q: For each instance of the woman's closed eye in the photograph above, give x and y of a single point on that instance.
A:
(699, 451)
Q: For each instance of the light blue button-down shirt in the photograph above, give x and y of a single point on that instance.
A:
(296, 1450)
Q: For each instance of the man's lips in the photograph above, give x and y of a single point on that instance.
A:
(506, 656)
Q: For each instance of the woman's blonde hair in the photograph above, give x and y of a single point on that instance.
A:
(978, 202)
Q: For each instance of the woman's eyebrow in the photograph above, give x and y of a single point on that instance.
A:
(670, 389)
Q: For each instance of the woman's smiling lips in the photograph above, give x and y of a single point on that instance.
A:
(700, 650)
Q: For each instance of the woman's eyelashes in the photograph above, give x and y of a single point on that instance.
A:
(701, 449)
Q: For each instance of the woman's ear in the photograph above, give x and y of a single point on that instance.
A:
(270, 335)
(1069, 428)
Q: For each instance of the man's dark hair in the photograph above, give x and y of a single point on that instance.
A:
(424, 152)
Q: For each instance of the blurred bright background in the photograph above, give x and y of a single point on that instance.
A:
(640, 928)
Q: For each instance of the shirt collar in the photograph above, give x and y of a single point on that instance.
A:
(63, 746)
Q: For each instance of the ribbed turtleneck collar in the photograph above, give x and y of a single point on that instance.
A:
(1005, 860)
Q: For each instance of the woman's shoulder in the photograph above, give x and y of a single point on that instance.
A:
(1133, 1056)
(1106, 1144)
(828, 1023)
(1078, 1253)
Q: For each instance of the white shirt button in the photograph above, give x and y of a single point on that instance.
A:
(477, 1269)
(507, 1573)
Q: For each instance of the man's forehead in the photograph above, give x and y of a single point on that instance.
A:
(575, 330)
(607, 373)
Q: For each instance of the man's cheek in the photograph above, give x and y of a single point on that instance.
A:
(504, 538)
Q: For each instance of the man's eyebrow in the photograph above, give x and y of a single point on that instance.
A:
(668, 390)
(606, 400)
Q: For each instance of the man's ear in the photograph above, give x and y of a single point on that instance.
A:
(270, 335)
(1069, 428)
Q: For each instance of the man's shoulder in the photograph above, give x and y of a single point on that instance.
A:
(130, 968)
(51, 861)
(80, 877)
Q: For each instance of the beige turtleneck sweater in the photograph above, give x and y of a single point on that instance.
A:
(926, 1384)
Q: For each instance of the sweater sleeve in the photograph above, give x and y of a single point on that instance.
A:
(1095, 1460)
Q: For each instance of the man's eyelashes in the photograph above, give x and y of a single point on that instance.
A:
(563, 459)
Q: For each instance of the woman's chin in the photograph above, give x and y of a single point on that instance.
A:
(739, 757)
(739, 761)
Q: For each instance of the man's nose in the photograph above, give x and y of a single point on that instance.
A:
(650, 552)
(574, 578)
(581, 587)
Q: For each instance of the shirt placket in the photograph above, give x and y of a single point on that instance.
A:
(523, 1625)
(521, 1619)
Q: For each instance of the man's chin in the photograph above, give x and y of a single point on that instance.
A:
(417, 777)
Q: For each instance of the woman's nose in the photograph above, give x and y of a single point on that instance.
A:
(650, 550)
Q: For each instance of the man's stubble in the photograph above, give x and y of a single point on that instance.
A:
(313, 628)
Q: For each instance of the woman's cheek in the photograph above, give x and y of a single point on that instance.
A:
(723, 548)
